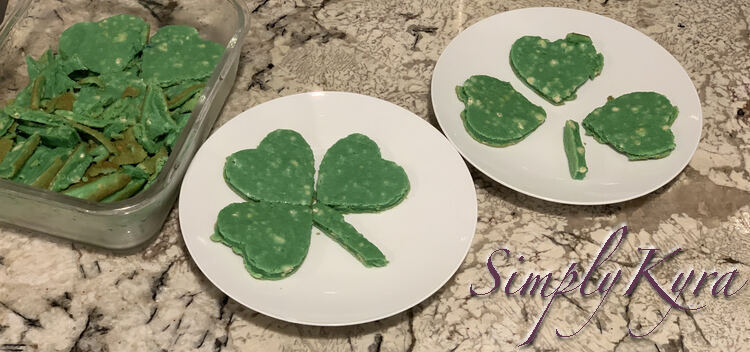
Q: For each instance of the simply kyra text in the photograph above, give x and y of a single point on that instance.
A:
(543, 283)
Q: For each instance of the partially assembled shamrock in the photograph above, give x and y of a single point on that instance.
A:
(272, 229)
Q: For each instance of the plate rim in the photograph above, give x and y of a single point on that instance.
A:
(553, 199)
(430, 292)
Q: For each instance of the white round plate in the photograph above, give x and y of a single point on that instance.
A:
(425, 238)
(537, 165)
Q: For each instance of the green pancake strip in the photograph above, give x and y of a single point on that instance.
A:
(5, 145)
(17, 156)
(49, 76)
(35, 116)
(280, 170)
(635, 124)
(128, 150)
(105, 46)
(555, 70)
(72, 170)
(188, 106)
(157, 169)
(100, 188)
(54, 136)
(273, 238)
(181, 97)
(332, 223)
(155, 120)
(124, 111)
(34, 170)
(71, 117)
(5, 122)
(91, 101)
(176, 54)
(98, 152)
(496, 114)
(353, 177)
(574, 150)
(172, 137)
(126, 192)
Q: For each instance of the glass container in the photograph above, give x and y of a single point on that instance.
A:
(30, 28)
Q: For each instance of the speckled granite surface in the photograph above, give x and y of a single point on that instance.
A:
(55, 296)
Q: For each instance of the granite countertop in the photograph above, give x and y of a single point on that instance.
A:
(58, 296)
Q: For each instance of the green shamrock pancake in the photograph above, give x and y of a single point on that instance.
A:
(496, 114)
(280, 170)
(574, 150)
(272, 238)
(332, 223)
(177, 53)
(272, 230)
(635, 124)
(555, 70)
(105, 46)
(353, 177)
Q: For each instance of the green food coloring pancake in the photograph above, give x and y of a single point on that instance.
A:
(555, 70)
(155, 116)
(128, 150)
(181, 120)
(5, 122)
(5, 145)
(49, 77)
(353, 177)
(54, 136)
(105, 46)
(17, 156)
(35, 116)
(73, 169)
(273, 238)
(280, 170)
(635, 124)
(155, 120)
(42, 166)
(130, 189)
(181, 97)
(177, 53)
(496, 114)
(574, 150)
(332, 223)
(99, 188)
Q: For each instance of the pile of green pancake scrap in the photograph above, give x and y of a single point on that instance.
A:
(98, 119)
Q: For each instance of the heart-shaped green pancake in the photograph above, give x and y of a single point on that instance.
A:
(273, 238)
(353, 177)
(496, 114)
(635, 124)
(177, 53)
(105, 46)
(332, 223)
(280, 170)
(555, 70)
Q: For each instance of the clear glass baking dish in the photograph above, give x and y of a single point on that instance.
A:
(30, 28)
